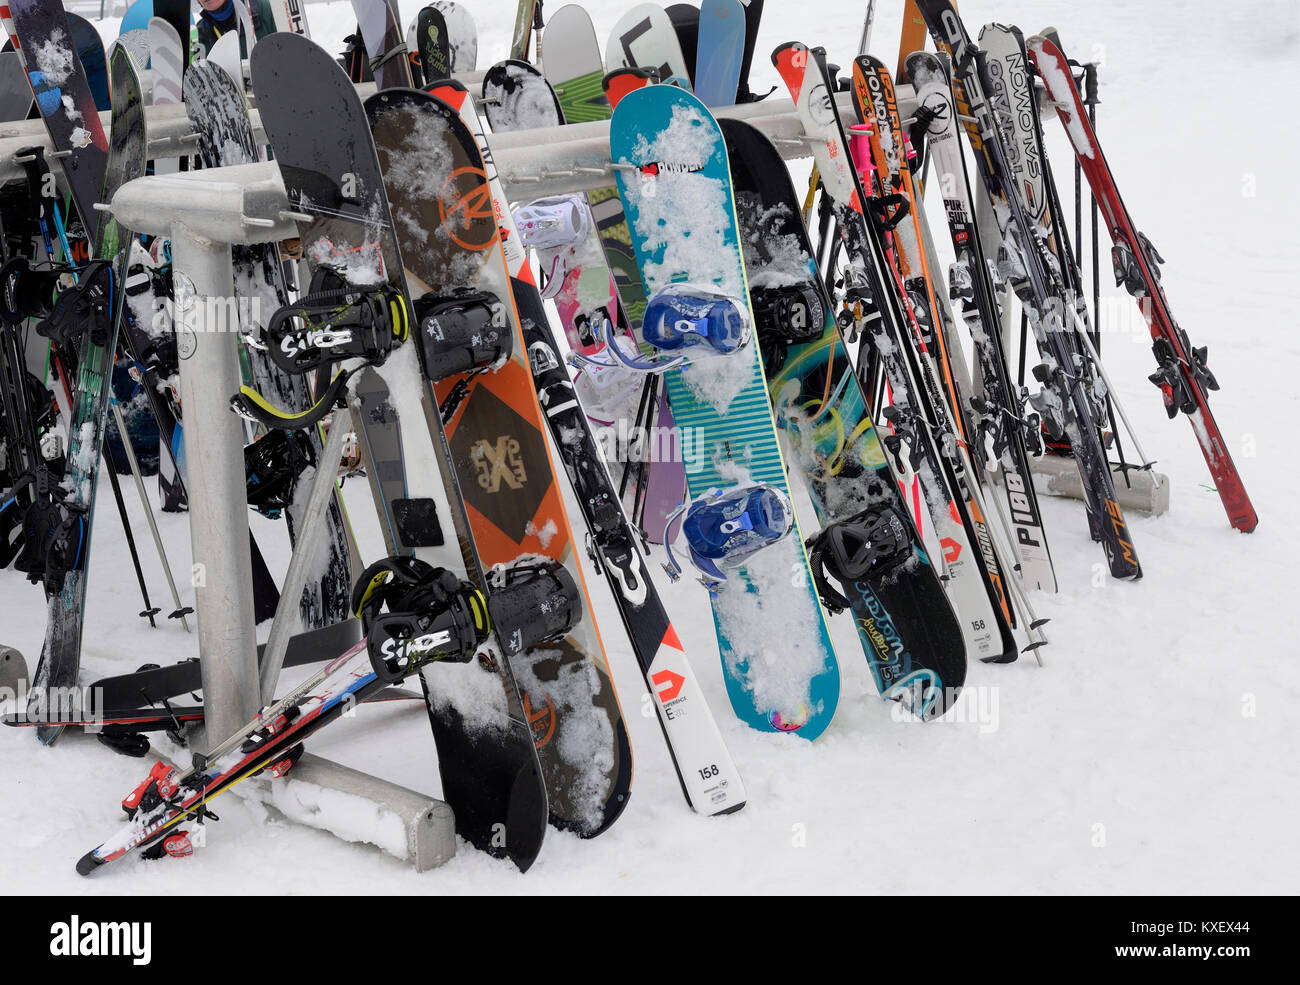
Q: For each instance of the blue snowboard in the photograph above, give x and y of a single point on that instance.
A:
(777, 657)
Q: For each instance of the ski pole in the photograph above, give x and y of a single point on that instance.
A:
(150, 610)
(179, 612)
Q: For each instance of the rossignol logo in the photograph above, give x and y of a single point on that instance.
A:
(102, 939)
(540, 719)
(415, 647)
(499, 463)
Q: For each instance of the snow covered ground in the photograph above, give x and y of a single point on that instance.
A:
(1153, 753)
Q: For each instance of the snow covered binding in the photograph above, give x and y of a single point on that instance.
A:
(791, 314)
(724, 528)
(273, 464)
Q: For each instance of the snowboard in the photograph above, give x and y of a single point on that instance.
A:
(90, 52)
(909, 632)
(218, 112)
(385, 44)
(678, 198)
(516, 96)
(447, 224)
(644, 37)
(720, 50)
(15, 93)
(432, 45)
(462, 35)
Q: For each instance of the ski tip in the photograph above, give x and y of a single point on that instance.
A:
(88, 863)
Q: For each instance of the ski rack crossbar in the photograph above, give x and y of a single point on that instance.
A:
(533, 163)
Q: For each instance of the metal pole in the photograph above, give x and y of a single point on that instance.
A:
(209, 371)
(295, 580)
(107, 464)
(179, 611)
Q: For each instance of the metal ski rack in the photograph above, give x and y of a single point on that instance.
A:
(203, 213)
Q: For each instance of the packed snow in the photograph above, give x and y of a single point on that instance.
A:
(1156, 750)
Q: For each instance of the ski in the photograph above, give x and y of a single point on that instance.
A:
(1182, 377)
(1066, 406)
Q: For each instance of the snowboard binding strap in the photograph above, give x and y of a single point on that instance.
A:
(873, 544)
(327, 327)
(413, 613)
(463, 331)
(250, 404)
(86, 308)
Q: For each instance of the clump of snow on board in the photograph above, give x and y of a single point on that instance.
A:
(686, 219)
(563, 680)
(419, 170)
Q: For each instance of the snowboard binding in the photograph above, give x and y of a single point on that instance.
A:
(329, 326)
(682, 316)
(53, 535)
(84, 309)
(532, 601)
(723, 529)
(553, 223)
(785, 316)
(273, 463)
(413, 613)
(27, 293)
(872, 545)
(463, 331)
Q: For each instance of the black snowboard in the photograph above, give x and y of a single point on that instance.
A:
(907, 625)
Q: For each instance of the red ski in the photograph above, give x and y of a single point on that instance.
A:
(1183, 376)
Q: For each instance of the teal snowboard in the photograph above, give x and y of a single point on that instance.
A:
(777, 656)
